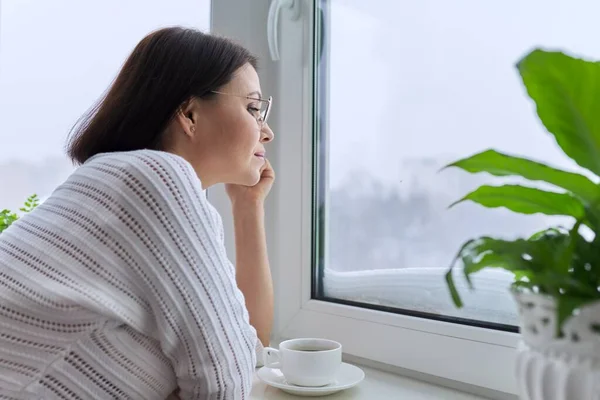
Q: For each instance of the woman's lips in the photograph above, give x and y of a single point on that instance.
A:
(260, 154)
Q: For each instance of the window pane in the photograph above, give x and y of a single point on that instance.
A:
(56, 59)
(403, 88)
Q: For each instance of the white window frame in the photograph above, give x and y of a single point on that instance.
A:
(477, 357)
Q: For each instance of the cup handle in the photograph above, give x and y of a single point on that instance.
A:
(271, 358)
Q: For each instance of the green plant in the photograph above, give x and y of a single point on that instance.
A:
(558, 262)
(7, 217)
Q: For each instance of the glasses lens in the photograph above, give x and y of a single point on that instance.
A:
(265, 109)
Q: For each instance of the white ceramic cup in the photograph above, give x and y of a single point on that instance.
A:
(306, 362)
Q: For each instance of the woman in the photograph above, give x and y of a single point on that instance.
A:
(118, 285)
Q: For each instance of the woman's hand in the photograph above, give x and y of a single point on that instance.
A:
(240, 194)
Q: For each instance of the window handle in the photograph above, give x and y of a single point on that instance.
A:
(273, 22)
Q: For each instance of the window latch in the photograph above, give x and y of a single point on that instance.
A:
(273, 22)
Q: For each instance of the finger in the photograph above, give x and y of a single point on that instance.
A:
(267, 170)
(266, 166)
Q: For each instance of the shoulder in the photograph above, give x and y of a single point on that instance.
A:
(142, 176)
(154, 168)
(142, 162)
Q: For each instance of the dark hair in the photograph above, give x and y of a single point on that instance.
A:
(167, 68)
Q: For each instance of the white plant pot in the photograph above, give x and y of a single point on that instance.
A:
(557, 368)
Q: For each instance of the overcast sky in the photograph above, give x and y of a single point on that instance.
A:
(433, 78)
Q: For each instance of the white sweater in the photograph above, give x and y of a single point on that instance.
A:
(118, 287)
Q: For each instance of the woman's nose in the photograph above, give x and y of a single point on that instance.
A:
(267, 134)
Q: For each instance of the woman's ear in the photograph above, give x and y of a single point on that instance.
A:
(187, 117)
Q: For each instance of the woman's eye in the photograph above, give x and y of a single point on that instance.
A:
(253, 110)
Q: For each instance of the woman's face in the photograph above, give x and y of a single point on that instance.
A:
(224, 141)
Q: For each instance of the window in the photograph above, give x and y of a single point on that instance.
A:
(56, 60)
(403, 90)
(370, 100)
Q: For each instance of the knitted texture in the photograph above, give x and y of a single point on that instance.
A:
(118, 286)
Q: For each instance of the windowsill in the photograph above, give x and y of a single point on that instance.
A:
(376, 385)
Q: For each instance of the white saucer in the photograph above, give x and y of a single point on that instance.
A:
(348, 376)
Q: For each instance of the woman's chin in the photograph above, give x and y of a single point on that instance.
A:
(246, 177)
(251, 178)
(255, 179)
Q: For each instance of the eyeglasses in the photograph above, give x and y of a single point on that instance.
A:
(261, 114)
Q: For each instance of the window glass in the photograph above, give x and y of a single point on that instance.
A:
(402, 89)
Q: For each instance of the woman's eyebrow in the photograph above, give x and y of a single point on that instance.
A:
(256, 92)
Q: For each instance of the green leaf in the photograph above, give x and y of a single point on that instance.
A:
(453, 291)
(538, 258)
(522, 276)
(487, 252)
(566, 92)
(500, 164)
(450, 279)
(520, 285)
(526, 200)
(7, 217)
(564, 263)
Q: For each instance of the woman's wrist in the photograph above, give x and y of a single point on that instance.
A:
(246, 206)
